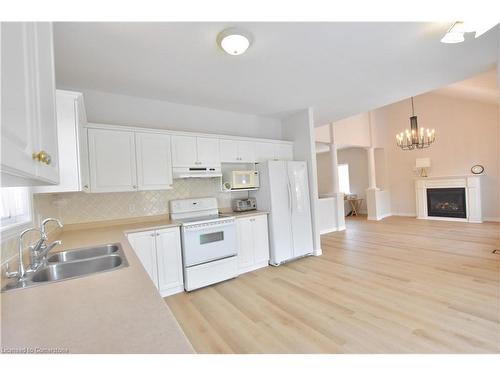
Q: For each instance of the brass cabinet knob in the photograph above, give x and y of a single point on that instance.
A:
(42, 157)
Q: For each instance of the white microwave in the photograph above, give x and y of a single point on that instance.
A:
(241, 180)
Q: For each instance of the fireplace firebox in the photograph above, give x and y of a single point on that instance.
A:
(446, 202)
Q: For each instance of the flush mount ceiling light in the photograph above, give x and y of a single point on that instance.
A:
(234, 41)
(455, 33)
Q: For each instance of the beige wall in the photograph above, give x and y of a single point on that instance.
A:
(467, 133)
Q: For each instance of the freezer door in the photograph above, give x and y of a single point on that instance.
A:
(280, 208)
(300, 208)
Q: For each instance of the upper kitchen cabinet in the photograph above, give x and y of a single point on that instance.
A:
(72, 145)
(112, 160)
(273, 151)
(284, 151)
(28, 112)
(191, 151)
(154, 164)
(233, 151)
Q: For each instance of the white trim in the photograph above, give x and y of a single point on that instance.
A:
(405, 214)
(317, 252)
(378, 218)
(171, 291)
(91, 125)
(12, 231)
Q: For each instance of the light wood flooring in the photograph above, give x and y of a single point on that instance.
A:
(399, 285)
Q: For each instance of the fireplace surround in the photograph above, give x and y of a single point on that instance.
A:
(454, 198)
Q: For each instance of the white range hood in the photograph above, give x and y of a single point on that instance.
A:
(197, 172)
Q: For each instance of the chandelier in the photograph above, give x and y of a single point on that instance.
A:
(415, 138)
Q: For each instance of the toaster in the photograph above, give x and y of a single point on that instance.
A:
(244, 204)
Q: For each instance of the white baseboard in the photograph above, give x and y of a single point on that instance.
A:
(405, 214)
(170, 291)
(317, 252)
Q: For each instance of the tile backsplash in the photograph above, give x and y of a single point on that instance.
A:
(80, 207)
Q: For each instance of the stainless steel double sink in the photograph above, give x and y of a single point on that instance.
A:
(74, 263)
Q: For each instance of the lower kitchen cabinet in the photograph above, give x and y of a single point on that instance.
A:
(253, 243)
(160, 254)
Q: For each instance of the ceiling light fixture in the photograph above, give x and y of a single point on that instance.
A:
(415, 138)
(455, 33)
(234, 41)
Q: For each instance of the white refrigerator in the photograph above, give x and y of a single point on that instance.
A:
(284, 192)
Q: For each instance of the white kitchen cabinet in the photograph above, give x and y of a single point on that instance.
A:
(169, 260)
(253, 243)
(265, 151)
(208, 152)
(184, 152)
(154, 164)
(191, 151)
(28, 116)
(233, 151)
(144, 245)
(284, 151)
(112, 160)
(73, 169)
(273, 151)
(160, 253)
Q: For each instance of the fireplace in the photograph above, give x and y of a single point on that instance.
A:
(446, 202)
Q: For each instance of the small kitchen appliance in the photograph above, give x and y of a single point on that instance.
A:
(248, 204)
(237, 180)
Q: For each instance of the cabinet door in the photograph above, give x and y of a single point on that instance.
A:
(284, 152)
(245, 243)
(261, 239)
(18, 112)
(264, 151)
(184, 151)
(45, 94)
(143, 244)
(246, 151)
(112, 160)
(208, 151)
(228, 151)
(169, 260)
(68, 147)
(154, 164)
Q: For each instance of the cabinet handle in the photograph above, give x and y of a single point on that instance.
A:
(42, 157)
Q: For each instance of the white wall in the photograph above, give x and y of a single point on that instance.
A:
(118, 109)
(299, 128)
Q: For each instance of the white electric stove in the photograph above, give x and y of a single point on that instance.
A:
(209, 252)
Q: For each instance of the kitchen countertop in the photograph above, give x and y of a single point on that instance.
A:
(119, 311)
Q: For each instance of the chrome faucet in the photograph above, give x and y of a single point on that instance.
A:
(39, 251)
(21, 271)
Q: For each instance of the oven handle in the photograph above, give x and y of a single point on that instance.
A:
(196, 228)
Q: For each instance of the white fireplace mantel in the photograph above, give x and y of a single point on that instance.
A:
(472, 185)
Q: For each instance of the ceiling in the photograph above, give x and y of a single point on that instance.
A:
(339, 69)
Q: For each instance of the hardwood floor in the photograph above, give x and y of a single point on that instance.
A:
(399, 285)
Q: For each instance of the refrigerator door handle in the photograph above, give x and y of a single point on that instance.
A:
(290, 204)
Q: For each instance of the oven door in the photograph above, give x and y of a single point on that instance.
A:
(203, 243)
